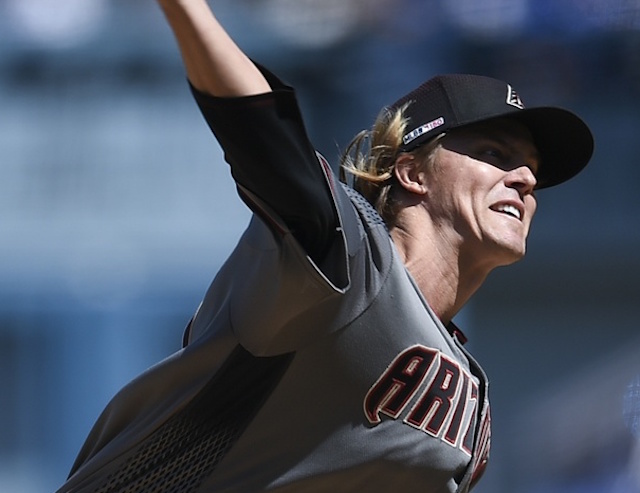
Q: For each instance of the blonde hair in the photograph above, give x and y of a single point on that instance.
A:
(371, 156)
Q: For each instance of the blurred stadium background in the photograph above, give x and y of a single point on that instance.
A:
(116, 210)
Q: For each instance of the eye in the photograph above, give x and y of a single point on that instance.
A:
(493, 154)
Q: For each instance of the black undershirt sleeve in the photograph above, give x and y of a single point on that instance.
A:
(266, 144)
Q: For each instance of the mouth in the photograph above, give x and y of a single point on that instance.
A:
(509, 210)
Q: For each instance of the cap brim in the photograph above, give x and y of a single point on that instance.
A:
(564, 142)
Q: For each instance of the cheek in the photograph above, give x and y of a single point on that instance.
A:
(460, 185)
(531, 206)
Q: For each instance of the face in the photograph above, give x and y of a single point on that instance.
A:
(480, 190)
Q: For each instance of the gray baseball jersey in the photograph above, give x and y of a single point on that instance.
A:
(300, 376)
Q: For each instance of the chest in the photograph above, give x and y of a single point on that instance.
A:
(389, 392)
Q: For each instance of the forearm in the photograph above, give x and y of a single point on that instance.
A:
(213, 62)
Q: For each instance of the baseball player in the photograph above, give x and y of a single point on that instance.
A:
(323, 356)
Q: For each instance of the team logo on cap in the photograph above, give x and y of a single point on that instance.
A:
(422, 129)
(513, 99)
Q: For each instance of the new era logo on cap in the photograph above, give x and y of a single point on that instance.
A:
(513, 99)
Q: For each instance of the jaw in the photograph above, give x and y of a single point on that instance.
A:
(497, 245)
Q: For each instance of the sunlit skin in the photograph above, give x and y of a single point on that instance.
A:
(468, 212)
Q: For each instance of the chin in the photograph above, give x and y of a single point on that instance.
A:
(514, 259)
(514, 255)
(510, 252)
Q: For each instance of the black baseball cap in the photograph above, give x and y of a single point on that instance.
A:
(444, 102)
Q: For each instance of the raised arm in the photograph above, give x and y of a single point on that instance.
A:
(214, 63)
(259, 126)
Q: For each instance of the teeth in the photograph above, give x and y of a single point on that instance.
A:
(509, 209)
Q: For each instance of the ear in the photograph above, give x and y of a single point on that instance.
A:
(410, 175)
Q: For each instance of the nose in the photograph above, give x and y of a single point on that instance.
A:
(522, 179)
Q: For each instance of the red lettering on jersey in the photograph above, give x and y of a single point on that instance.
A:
(467, 444)
(434, 406)
(401, 380)
(445, 399)
(453, 432)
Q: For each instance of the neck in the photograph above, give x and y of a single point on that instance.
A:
(445, 277)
